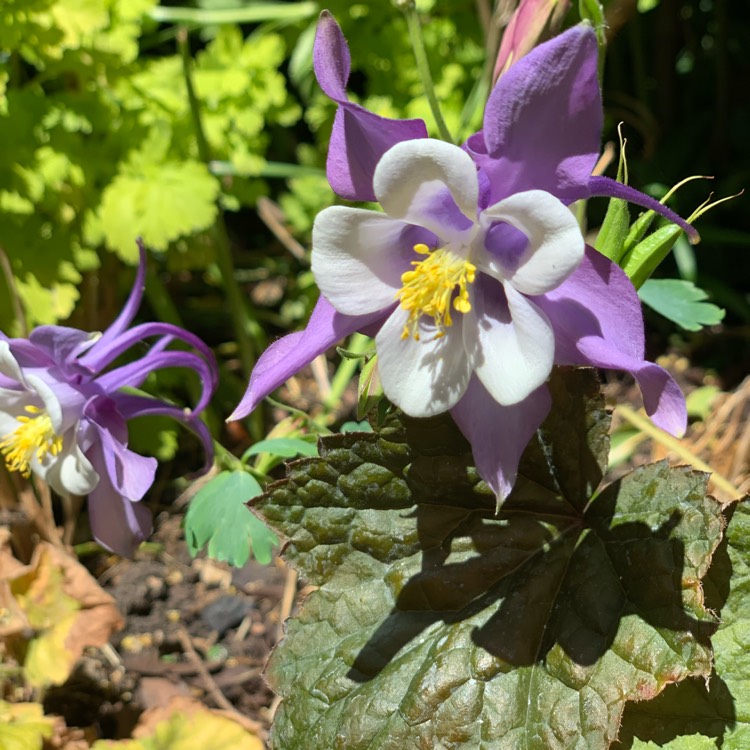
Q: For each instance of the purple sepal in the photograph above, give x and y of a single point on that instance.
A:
(543, 120)
(359, 137)
(135, 373)
(499, 434)
(605, 186)
(597, 319)
(129, 473)
(118, 521)
(60, 342)
(131, 406)
(291, 353)
(101, 355)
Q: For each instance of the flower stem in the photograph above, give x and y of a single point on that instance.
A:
(423, 66)
(246, 328)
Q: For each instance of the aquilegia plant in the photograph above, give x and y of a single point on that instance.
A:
(475, 583)
(64, 414)
(476, 277)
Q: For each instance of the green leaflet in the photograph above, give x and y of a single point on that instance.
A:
(218, 518)
(681, 302)
(439, 623)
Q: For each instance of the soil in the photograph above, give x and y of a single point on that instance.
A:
(193, 628)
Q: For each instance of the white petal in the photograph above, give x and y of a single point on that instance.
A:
(555, 246)
(51, 403)
(513, 346)
(358, 257)
(424, 377)
(8, 364)
(61, 401)
(70, 471)
(429, 183)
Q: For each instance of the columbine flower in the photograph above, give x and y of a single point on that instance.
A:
(463, 278)
(63, 418)
(540, 142)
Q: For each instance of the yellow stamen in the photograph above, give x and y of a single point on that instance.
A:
(35, 436)
(428, 289)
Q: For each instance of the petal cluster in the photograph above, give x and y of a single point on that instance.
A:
(475, 279)
(63, 415)
(455, 300)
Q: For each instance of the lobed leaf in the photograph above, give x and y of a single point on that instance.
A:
(681, 302)
(713, 713)
(218, 518)
(440, 623)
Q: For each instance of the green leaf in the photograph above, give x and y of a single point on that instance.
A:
(616, 225)
(681, 302)
(352, 426)
(647, 254)
(285, 447)
(159, 202)
(441, 623)
(218, 516)
(699, 401)
(719, 712)
(614, 230)
(23, 726)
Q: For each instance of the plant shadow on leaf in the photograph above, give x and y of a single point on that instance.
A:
(434, 610)
(567, 580)
(694, 706)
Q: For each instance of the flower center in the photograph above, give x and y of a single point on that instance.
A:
(35, 436)
(428, 289)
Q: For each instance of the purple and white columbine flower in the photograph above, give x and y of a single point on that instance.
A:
(475, 277)
(64, 418)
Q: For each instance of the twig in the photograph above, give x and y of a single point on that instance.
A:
(210, 685)
(319, 367)
(71, 508)
(272, 216)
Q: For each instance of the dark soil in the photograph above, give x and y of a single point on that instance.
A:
(193, 628)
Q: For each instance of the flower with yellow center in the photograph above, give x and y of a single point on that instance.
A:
(34, 438)
(458, 304)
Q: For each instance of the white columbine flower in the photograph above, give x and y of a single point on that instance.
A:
(459, 281)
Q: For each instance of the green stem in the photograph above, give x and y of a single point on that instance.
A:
(423, 66)
(245, 327)
(249, 333)
(255, 13)
(358, 344)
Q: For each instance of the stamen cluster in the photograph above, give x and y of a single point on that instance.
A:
(35, 437)
(429, 289)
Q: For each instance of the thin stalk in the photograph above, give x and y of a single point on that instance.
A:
(675, 446)
(423, 66)
(255, 13)
(246, 329)
(15, 297)
(358, 344)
